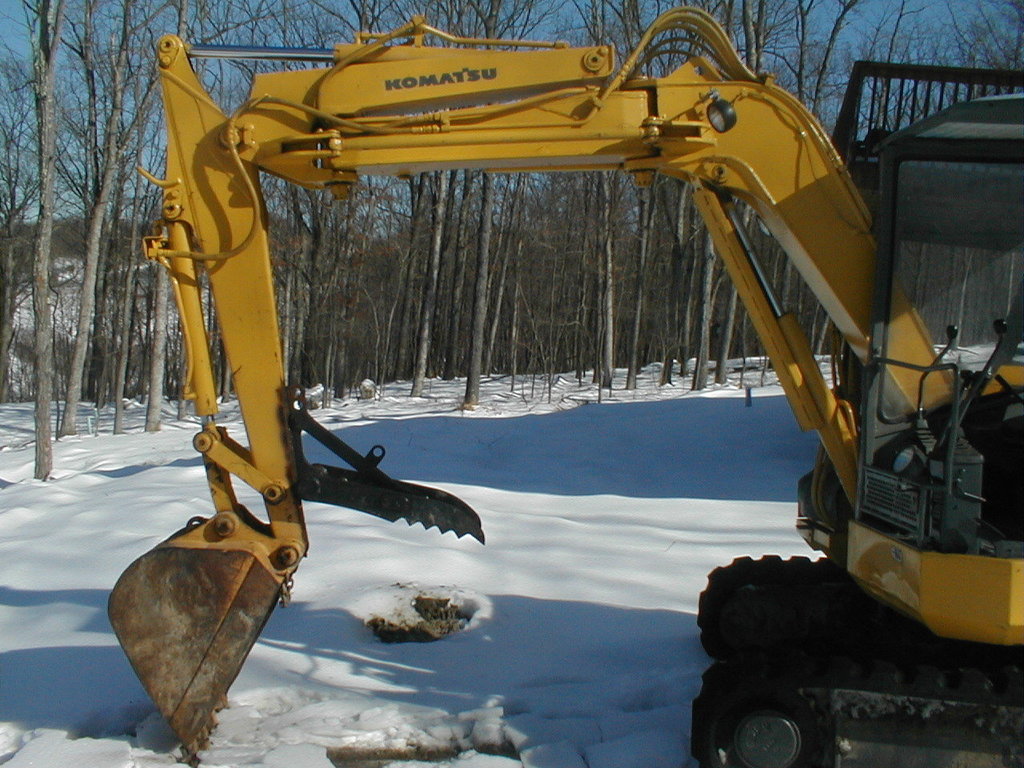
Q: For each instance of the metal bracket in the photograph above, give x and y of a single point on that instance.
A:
(214, 443)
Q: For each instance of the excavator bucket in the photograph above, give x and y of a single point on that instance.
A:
(187, 618)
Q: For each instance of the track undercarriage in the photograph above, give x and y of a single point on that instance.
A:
(811, 673)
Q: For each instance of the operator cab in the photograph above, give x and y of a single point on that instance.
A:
(944, 450)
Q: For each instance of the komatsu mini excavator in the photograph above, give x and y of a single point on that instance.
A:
(903, 645)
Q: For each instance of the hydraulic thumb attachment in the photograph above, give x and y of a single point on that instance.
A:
(367, 488)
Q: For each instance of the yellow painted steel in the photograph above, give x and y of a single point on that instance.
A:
(444, 78)
(215, 199)
(557, 109)
(966, 597)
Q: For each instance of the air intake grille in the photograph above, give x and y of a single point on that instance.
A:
(891, 499)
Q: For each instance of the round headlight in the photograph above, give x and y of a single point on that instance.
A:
(721, 114)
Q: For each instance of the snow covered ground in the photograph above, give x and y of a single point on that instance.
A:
(602, 522)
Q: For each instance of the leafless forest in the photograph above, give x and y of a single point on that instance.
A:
(452, 275)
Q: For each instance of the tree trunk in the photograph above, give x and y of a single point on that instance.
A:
(430, 286)
(407, 305)
(479, 319)
(607, 284)
(700, 370)
(753, 33)
(46, 21)
(156, 360)
(97, 209)
(300, 312)
(452, 358)
(7, 302)
(646, 222)
(725, 342)
(499, 296)
(514, 333)
(97, 376)
(43, 341)
(676, 333)
(18, 136)
(86, 310)
(124, 345)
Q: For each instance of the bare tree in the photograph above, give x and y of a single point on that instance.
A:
(18, 186)
(725, 335)
(645, 221)
(607, 271)
(493, 18)
(104, 141)
(155, 390)
(45, 22)
(452, 356)
(707, 262)
(430, 284)
(678, 316)
(989, 33)
(478, 322)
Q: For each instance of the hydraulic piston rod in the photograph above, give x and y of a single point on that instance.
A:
(261, 53)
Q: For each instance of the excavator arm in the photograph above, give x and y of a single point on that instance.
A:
(405, 109)
(188, 612)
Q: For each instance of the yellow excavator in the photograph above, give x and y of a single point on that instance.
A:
(906, 638)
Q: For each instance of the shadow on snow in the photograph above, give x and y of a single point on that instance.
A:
(712, 448)
(544, 658)
(70, 687)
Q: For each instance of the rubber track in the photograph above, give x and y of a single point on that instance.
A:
(724, 680)
(723, 582)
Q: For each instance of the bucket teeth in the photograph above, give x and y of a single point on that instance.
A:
(190, 752)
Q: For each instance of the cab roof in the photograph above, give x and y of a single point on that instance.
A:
(989, 118)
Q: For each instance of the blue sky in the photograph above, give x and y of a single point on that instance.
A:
(12, 15)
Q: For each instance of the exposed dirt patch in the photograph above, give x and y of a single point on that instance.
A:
(432, 618)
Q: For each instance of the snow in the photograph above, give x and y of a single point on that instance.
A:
(581, 647)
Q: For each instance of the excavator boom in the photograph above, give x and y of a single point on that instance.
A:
(188, 612)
